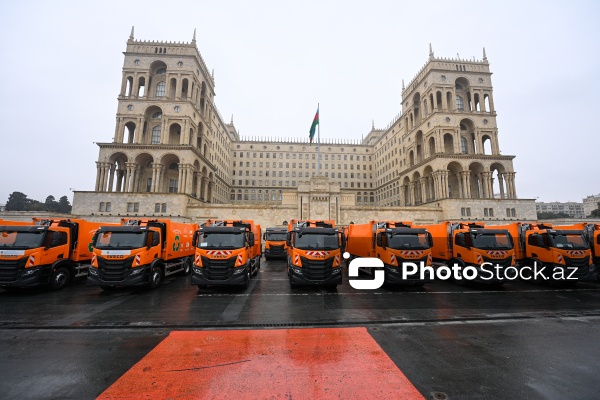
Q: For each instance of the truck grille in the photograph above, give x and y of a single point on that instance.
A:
(277, 250)
(503, 263)
(582, 265)
(10, 271)
(317, 270)
(218, 270)
(114, 270)
(418, 262)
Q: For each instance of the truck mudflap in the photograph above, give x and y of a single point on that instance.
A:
(234, 277)
(129, 277)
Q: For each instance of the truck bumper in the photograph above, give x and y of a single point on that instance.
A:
(26, 277)
(297, 278)
(134, 277)
(393, 276)
(237, 277)
(277, 253)
(586, 273)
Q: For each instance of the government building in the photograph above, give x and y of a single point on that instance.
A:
(173, 155)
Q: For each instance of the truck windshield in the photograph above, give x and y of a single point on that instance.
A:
(233, 240)
(408, 241)
(492, 241)
(306, 241)
(120, 240)
(279, 237)
(570, 242)
(21, 240)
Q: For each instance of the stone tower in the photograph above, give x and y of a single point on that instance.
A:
(169, 137)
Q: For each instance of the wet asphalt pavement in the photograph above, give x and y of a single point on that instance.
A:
(522, 340)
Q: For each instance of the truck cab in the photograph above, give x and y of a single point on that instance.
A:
(275, 246)
(227, 253)
(472, 244)
(140, 253)
(45, 252)
(314, 253)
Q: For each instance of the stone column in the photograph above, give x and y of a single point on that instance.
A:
(511, 185)
(466, 183)
(98, 176)
(423, 183)
(501, 184)
(112, 169)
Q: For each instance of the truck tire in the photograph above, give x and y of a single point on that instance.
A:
(187, 267)
(156, 277)
(246, 283)
(61, 276)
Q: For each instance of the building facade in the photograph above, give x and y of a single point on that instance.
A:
(173, 153)
(571, 208)
(590, 203)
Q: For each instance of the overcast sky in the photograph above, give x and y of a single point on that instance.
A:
(275, 60)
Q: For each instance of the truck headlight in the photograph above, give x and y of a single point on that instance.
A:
(30, 272)
(92, 271)
(136, 271)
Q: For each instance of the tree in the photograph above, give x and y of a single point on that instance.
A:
(51, 204)
(596, 213)
(17, 201)
(64, 206)
(552, 215)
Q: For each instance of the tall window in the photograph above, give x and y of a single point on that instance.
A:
(459, 103)
(149, 185)
(173, 185)
(463, 145)
(160, 89)
(156, 135)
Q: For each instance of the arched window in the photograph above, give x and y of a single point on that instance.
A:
(155, 135)
(160, 89)
(157, 114)
(459, 103)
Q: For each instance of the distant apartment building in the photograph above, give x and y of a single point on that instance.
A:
(571, 208)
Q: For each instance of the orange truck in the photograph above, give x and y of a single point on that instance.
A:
(48, 252)
(274, 239)
(314, 253)
(394, 243)
(227, 253)
(559, 252)
(141, 253)
(489, 250)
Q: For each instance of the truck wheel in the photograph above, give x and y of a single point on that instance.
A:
(247, 280)
(61, 276)
(187, 267)
(155, 277)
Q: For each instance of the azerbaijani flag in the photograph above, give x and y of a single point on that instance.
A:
(313, 127)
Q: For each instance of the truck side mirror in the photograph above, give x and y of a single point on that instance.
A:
(288, 239)
(461, 241)
(265, 236)
(251, 239)
(429, 239)
(195, 239)
(382, 240)
(155, 239)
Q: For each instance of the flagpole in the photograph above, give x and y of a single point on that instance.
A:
(319, 142)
